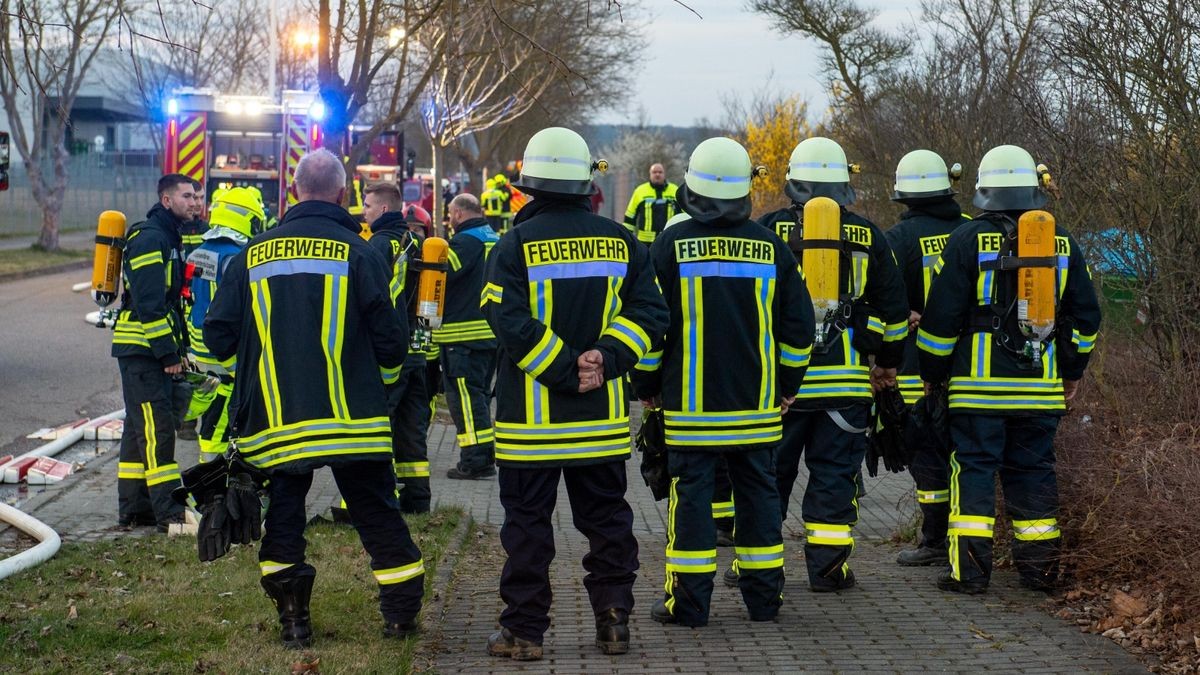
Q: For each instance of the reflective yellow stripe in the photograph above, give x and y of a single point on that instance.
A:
(163, 474)
(722, 509)
(828, 534)
(411, 469)
(491, 293)
(331, 341)
(630, 334)
(793, 357)
(938, 346)
(759, 558)
(467, 433)
(398, 575)
(933, 496)
(479, 437)
(691, 562)
(455, 263)
(955, 500)
(1044, 529)
(260, 292)
(271, 567)
(151, 438)
(131, 470)
(651, 362)
(895, 332)
(971, 526)
(151, 258)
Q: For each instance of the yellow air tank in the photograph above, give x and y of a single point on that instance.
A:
(1035, 287)
(431, 288)
(822, 265)
(106, 261)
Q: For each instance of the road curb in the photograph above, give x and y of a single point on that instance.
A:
(433, 612)
(80, 264)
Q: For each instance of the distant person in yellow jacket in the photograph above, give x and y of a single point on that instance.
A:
(651, 206)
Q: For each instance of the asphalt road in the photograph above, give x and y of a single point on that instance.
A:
(54, 367)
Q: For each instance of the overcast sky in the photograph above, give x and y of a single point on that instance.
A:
(691, 62)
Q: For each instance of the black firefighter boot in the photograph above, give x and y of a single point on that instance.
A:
(291, 597)
(612, 631)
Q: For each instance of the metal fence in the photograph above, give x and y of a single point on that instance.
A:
(121, 181)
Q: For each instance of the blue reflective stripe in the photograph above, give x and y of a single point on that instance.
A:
(752, 417)
(835, 390)
(692, 344)
(719, 179)
(728, 270)
(691, 562)
(579, 270)
(757, 436)
(1041, 402)
(991, 384)
(630, 334)
(920, 176)
(556, 160)
(820, 371)
(299, 266)
(759, 557)
(899, 331)
(598, 428)
(1001, 172)
(818, 165)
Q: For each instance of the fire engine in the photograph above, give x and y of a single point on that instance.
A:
(226, 141)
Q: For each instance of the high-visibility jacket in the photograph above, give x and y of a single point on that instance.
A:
(210, 260)
(988, 372)
(401, 249)
(306, 309)
(741, 333)
(191, 233)
(462, 320)
(565, 281)
(650, 207)
(839, 376)
(492, 202)
(917, 241)
(150, 321)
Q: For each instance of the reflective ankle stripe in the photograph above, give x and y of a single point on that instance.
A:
(828, 535)
(758, 558)
(271, 567)
(971, 526)
(1036, 530)
(933, 496)
(397, 575)
(691, 562)
(722, 509)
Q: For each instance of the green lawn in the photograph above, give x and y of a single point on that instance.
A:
(13, 261)
(146, 605)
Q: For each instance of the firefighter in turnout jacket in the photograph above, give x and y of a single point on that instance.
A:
(572, 300)
(149, 341)
(861, 312)
(407, 388)
(307, 310)
(237, 215)
(923, 185)
(191, 234)
(492, 201)
(652, 204)
(467, 343)
(734, 355)
(1010, 322)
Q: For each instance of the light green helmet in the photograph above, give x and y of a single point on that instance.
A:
(719, 168)
(922, 174)
(557, 161)
(818, 168)
(240, 209)
(1008, 181)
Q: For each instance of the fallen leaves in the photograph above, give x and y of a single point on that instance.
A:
(1128, 606)
(310, 665)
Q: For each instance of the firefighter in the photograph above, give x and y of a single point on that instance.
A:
(149, 343)
(236, 215)
(420, 225)
(307, 311)
(651, 205)
(468, 344)
(1009, 377)
(407, 389)
(572, 300)
(736, 298)
(193, 229)
(923, 185)
(492, 201)
(192, 235)
(828, 422)
(506, 204)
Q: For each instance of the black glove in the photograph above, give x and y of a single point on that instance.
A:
(214, 534)
(887, 432)
(245, 509)
(929, 425)
(202, 482)
(651, 442)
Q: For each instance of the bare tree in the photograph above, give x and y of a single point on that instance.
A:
(47, 50)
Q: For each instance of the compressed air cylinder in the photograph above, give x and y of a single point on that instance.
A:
(1035, 284)
(431, 288)
(106, 261)
(822, 265)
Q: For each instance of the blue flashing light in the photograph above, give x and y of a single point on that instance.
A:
(316, 111)
(173, 107)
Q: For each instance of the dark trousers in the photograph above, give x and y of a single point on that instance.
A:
(408, 401)
(468, 374)
(370, 494)
(722, 504)
(146, 468)
(1021, 449)
(599, 511)
(213, 435)
(692, 536)
(930, 470)
(833, 457)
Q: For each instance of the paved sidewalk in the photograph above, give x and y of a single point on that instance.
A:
(896, 621)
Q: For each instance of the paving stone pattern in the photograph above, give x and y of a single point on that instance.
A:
(895, 621)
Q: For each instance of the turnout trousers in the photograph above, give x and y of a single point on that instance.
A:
(691, 534)
(834, 458)
(408, 401)
(722, 505)
(370, 494)
(1021, 450)
(931, 473)
(600, 513)
(146, 468)
(468, 374)
(214, 423)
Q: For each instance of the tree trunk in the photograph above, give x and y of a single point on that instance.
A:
(51, 198)
(438, 152)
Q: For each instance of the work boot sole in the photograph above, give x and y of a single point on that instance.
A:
(613, 647)
(300, 643)
(925, 561)
(532, 653)
(959, 587)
